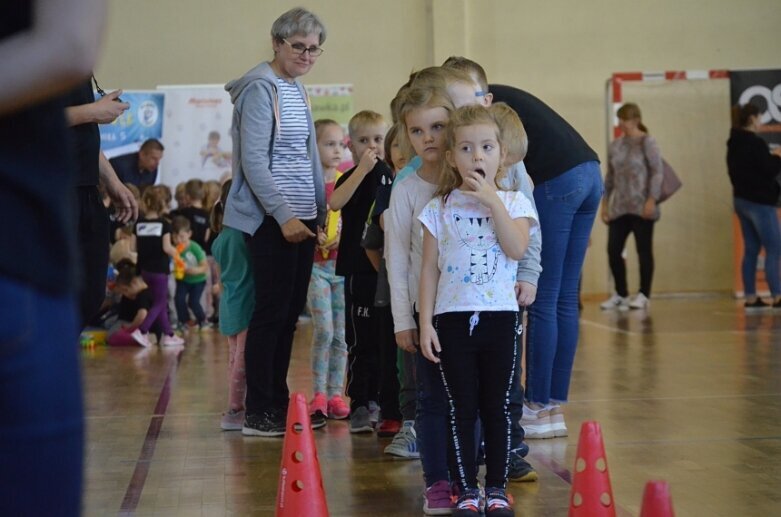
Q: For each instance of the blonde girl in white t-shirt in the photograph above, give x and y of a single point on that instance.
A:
(474, 235)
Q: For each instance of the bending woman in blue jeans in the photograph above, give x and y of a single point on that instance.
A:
(568, 188)
(752, 170)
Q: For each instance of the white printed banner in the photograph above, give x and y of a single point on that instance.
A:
(196, 134)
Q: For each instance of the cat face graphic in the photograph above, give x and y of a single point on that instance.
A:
(476, 232)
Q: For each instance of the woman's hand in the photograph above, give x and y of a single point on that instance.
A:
(776, 151)
(649, 209)
(295, 231)
(604, 215)
(429, 343)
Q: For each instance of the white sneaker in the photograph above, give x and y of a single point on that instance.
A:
(615, 302)
(557, 421)
(171, 340)
(639, 302)
(536, 423)
(141, 338)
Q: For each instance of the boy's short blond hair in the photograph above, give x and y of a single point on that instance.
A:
(194, 190)
(322, 123)
(470, 67)
(513, 134)
(440, 77)
(362, 119)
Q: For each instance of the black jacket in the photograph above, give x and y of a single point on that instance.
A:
(752, 169)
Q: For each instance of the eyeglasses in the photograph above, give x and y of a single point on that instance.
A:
(300, 48)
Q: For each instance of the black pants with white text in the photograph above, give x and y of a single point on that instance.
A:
(478, 363)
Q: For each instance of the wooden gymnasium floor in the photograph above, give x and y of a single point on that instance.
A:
(689, 392)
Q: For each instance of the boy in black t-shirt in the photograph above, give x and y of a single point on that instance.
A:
(194, 212)
(194, 195)
(354, 195)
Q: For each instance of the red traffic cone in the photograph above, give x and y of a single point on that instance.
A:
(300, 490)
(656, 500)
(591, 493)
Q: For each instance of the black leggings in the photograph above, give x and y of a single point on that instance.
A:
(478, 371)
(618, 231)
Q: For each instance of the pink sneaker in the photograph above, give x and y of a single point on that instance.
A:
(318, 404)
(338, 408)
(142, 338)
(171, 341)
(438, 500)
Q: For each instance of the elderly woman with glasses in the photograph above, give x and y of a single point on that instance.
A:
(277, 200)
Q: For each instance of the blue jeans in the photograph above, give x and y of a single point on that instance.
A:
(759, 224)
(189, 295)
(41, 411)
(431, 421)
(567, 206)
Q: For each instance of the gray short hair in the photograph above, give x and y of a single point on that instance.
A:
(297, 21)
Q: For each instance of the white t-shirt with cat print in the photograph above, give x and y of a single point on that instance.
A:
(475, 274)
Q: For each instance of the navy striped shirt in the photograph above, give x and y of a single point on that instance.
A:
(291, 166)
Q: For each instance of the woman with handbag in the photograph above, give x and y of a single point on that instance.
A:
(633, 186)
(753, 170)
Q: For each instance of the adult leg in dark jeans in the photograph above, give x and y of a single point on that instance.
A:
(282, 270)
(618, 231)
(644, 237)
(94, 229)
(41, 409)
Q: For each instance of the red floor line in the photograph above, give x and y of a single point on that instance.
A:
(138, 480)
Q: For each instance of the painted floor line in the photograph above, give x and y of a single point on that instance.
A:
(136, 485)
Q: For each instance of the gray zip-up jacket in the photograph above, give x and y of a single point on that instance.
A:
(255, 129)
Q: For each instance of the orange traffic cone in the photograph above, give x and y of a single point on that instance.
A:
(300, 490)
(591, 493)
(656, 500)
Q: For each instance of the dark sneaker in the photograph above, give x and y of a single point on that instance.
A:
(359, 421)
(317, 420)
(756, 305)
(271, 423)
(468, 504)
(498, 503)
(519, 469)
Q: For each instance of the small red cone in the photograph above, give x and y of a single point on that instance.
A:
(300, 491)
(591, 493)
(656, 500)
